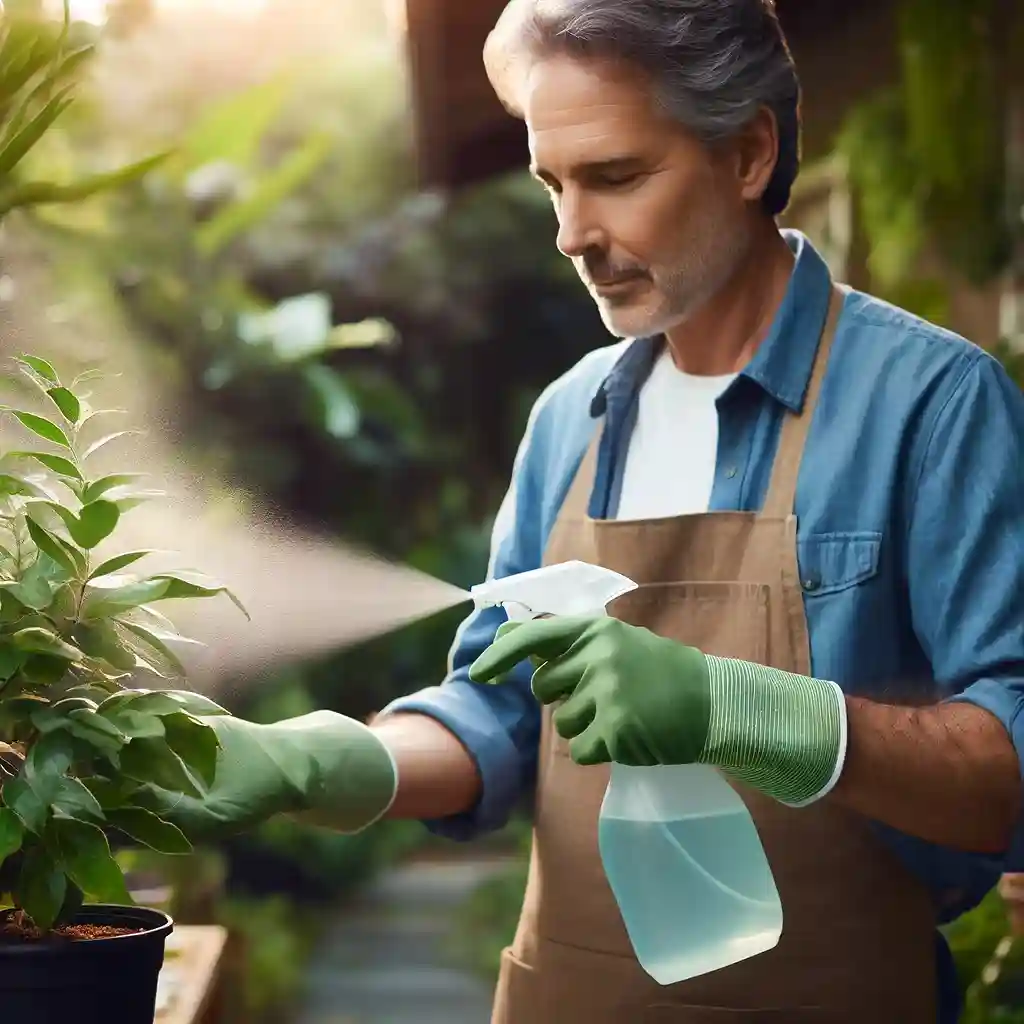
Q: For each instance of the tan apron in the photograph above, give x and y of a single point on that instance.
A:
(858, 941)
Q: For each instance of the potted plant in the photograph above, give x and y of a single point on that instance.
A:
(84, 755)
(69, 773)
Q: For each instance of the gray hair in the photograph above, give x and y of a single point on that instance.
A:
(713, 63)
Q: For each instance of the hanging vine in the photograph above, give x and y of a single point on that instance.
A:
(926, 158)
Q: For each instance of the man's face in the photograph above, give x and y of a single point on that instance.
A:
(653, 220)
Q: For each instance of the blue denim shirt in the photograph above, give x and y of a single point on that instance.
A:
(910, 503)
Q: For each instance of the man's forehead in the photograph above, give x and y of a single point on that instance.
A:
(585, 112)
(558, 90)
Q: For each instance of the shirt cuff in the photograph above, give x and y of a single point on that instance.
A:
(1003, 700)
(463, 711)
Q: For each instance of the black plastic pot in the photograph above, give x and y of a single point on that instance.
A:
(88, 981)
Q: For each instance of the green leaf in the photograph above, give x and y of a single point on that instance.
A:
(75, 801)
(37, 640)
(23, 58)
(35, 594)
(135, 725)
(38, 583)
(42, 426)
(146, 828)
(100, 640)
(98, 732)
(163, 702)
(19, 797)
(63, 69)
(234, 129)
(49, 544)
(64, 606)
(94, 690)
(109, 793)
(152, 617)
(84, 854)
(87, 375)
(27, 137)
(104, 441)
(12, 484)
(93, 524)
(77, 717)
(38, 193)
(47, 761)
(193, 584)
(153, 649)
(238, 217)
(338, 413)
(153, 761)
(55, 463)
(98, 488)
(118, 562)
(14, 707)
(12, 832)
(195, 743)
(45, 669)
(53, 716)
(41, 367)
(89, 414)
(11, 659)
(24, 704)
(104, 600)
(67, 402)
(132, 499)
(42, 887)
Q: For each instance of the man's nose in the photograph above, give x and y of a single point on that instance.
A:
(577, 230)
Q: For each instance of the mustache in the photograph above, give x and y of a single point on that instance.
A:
(598, 266)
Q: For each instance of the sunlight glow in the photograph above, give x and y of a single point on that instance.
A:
(94, 11)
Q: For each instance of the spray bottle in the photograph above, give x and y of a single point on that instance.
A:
(678, 846)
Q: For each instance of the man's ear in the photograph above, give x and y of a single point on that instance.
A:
(756, 154)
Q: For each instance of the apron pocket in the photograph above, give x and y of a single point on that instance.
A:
(727, 619)
(666, 1014)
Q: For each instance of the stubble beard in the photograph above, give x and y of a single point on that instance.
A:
(684, 284)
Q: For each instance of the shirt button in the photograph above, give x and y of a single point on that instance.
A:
(731, 472)
(811, 583)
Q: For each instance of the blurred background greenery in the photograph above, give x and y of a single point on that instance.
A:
(363, 353)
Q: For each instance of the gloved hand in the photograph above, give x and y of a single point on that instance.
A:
(323, 767)
(633, 697)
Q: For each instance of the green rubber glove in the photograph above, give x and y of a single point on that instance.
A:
(633, 697)
(323, 768)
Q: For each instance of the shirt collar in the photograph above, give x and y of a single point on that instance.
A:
(783, 361)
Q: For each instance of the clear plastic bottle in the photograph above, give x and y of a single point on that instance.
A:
(679, 848)
(689, 873)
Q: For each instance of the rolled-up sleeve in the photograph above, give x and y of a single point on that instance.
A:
(966, 550)
(498, 725)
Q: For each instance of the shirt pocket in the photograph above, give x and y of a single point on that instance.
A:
(833, 562)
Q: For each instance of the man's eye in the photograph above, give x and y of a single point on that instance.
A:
(618, 180)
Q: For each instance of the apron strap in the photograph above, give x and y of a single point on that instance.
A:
(576, 505)
(795, 426)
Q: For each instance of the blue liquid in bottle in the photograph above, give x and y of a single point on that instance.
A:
(689, 873)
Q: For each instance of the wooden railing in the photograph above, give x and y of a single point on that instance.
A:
(191, 980)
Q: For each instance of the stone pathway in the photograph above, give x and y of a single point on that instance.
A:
(386, 962)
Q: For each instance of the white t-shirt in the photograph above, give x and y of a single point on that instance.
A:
(670, 463)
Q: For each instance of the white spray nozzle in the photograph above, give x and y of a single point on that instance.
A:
(568, 588)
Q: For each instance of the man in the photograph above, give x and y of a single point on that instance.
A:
(820, 498)
(666, 132)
